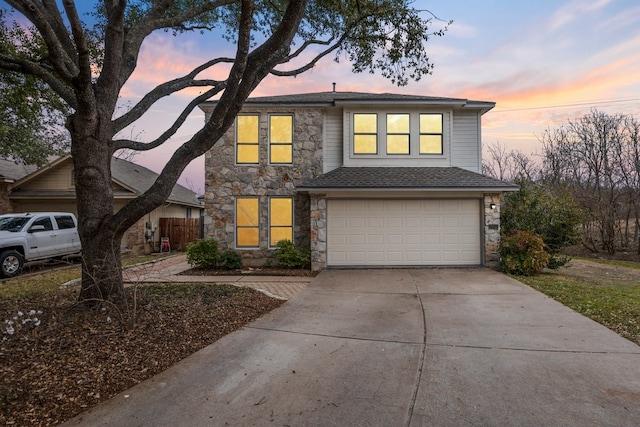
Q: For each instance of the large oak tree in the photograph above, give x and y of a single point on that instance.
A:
(86, 61)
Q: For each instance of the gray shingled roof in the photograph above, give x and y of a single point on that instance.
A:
(131, 175)
(11, 170)
(418, 178)
(334, 98)
(140, 179)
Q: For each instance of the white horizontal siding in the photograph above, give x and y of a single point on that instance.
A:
(465, 144)
(332, 143)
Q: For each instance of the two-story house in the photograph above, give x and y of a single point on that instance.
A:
(361, 179)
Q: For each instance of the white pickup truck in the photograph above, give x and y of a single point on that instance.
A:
(35, 236)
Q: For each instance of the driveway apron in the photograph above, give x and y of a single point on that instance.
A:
(398, 347)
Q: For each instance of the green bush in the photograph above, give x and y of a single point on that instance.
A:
(523, 253)
(291, 257)
(205, 254)
(547, 212)
(230, 260)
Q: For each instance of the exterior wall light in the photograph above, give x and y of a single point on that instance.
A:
(492, 206)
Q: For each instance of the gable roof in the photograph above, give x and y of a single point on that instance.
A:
(405, 178)
(139, 179)
(14, 171)
(134, 180)
(354, 98)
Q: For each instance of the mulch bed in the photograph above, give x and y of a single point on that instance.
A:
(61, 358)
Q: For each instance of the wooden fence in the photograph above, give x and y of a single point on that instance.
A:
(180, 231)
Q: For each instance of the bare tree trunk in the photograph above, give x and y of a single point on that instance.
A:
(100, 238)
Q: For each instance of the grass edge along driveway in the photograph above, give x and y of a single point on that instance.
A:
(606, 292)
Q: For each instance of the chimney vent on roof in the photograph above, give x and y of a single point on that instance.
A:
(334, 86)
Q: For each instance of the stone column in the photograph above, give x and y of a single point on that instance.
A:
(318, 232)
(491, 228)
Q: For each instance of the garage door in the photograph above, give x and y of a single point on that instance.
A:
(403, 232)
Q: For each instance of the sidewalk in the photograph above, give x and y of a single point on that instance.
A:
(169, 270)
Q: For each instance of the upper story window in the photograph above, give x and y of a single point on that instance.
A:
(247, 137)
(409, 134)
(281, 139)
(365, 133)
(431, 133)
(398, 131)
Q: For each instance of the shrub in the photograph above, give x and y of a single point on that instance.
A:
(203, 253)
(230, 260)
(291, 257)
(549, 213)
(523, 253)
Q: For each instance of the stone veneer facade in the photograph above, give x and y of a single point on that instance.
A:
(224, 181)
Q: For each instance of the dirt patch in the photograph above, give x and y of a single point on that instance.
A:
(59, 359)
(600, 274)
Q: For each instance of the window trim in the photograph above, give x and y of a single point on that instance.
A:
(237, 143)
(414, 157)
(288, 226)
(353, 133)
(237, 245)
(441, 134)
(387, 134)
(290, 144)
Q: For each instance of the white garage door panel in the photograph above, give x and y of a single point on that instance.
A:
(403, 232)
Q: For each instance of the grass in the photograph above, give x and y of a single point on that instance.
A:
(614, 303)
(50, 281)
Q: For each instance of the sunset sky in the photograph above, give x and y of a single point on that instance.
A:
(542, 62)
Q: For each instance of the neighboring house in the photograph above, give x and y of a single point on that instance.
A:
(52, 188)
(10, 172)
(361, 179)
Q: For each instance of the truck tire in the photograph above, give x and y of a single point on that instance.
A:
(11, 263)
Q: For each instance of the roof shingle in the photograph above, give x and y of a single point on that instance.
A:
(424, 178)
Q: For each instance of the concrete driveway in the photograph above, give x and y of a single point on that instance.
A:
(401, 347)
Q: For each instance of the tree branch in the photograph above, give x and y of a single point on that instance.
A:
(39, 16)
(167, 89)
(144, 146)
(82, 49)
(29, 67)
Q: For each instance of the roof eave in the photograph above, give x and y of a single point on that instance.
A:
(407, 189)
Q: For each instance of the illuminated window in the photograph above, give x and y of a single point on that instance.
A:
(247, 222)
(280, 220)
(365, 133)
(247, 131)
(431, 133)
(281, 139)
(398, 133)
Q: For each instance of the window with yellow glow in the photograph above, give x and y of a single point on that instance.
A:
(281, 139)
(247, 137)
(431, 133)
(365, 133)
(280, 220)
(398, 133)
(247, 222)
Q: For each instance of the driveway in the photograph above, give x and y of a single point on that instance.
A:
(399, 347)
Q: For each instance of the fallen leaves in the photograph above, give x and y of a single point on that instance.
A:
(75, 358)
